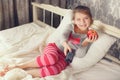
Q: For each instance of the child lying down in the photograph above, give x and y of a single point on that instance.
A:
(75, 36)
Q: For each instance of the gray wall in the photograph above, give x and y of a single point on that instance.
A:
(107, 11)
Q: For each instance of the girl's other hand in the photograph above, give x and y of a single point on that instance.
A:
(67, 48)
(91, 38)
(92, 35)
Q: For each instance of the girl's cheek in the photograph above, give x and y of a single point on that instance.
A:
(88, 22)
(76, 22)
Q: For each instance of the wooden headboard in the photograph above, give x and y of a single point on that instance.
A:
(53, 9)
(60, 11)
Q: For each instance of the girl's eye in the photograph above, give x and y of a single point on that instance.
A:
(86, 18)
(78, 19)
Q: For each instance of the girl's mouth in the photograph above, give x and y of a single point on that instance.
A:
(82, 25)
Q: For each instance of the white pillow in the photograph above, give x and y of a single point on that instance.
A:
(96, 52)
(66, 20)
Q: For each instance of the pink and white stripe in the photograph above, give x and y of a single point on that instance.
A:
(52, 61)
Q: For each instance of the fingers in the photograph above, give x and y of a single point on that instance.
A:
(67, 49)
(92, 38)
(95, 38)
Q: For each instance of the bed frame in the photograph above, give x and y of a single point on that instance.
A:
(61, 12)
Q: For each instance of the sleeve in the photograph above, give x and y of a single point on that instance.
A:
(65, 32)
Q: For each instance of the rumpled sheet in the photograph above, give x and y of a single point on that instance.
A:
(23, 43)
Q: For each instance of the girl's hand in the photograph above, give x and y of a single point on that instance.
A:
(89, 40)
(66, 48)
(92, 38)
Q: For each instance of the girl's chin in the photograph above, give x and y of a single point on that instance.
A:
(83, 28)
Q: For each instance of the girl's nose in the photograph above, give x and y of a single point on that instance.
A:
(82, 22)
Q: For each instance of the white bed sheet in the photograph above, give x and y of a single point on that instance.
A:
(19, 41)
(16, 48)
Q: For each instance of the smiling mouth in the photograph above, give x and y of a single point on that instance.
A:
(82, 26)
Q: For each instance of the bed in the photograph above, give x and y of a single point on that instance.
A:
(26, 41)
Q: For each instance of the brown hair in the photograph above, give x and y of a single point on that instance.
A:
(83, 9)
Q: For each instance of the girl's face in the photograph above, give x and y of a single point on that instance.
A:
(82, 21)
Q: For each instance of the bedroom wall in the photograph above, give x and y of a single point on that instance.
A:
(18, 12)
(107, 11)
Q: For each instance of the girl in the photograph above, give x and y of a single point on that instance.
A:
(73, 36)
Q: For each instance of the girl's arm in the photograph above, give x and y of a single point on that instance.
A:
(64, 35)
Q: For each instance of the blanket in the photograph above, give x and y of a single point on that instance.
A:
(27, 41)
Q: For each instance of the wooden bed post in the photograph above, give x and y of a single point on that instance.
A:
(35, 16)
(50, 8)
